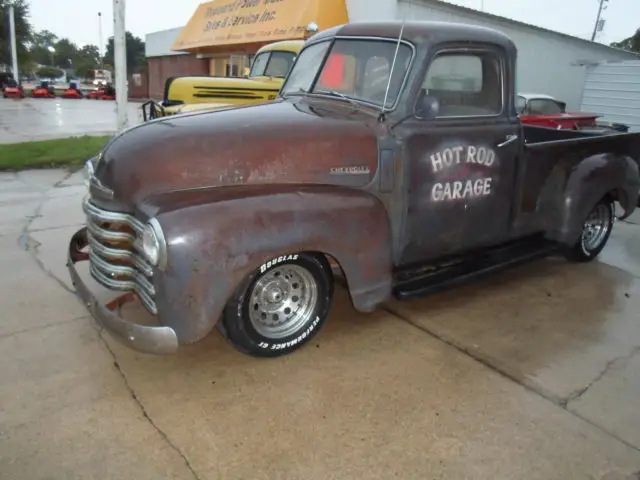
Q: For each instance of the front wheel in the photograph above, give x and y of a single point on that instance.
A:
(280, 306)
(595, 232)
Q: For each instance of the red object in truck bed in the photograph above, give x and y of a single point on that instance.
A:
(543, 110)
(561, 120)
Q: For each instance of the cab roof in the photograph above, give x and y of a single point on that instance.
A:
(418, 32)
(293, 46)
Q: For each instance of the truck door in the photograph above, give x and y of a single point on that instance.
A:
(462, 161)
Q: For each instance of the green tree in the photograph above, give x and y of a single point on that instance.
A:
(136, 57)
(49, 72)
(40, 43)
(632, 43)
(87, 60)
(23, 32)
(66, 53)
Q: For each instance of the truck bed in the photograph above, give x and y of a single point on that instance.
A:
(542, 138)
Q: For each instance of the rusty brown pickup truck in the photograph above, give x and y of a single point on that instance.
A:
(394, 152)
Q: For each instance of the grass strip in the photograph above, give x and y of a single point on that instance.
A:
(64, 152)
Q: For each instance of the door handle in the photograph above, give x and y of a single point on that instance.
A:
(510, 139)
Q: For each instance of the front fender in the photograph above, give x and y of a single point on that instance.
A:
(216, 237)
(586, 184)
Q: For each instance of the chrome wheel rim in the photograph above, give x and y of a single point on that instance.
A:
(596, 227)
(283, 301)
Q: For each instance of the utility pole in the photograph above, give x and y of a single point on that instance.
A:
(14, 44)
(601, 7)
(120, 62)
(100, 40)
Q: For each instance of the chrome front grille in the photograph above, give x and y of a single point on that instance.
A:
(115, 253)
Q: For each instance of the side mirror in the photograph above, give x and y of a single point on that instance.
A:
(427, 106)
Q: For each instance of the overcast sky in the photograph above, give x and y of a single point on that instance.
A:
(78, 19)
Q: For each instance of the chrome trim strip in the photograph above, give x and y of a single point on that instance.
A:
(119, 254)
(100, 255)
(107, 216)
(109, 235)
(111, 269)
(155, 339)
(124, 285)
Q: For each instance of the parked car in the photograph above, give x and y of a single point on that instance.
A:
(191, 93)
(228, 219)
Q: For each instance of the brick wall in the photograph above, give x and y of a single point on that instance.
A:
(161, 68)
(139, 85)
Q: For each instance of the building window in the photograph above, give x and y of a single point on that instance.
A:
(231, 70)
(465, 84)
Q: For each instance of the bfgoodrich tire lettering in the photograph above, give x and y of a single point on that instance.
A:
(280, 306)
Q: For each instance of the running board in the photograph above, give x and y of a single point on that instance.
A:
(481, 264)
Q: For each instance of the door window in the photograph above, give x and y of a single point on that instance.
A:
(466, 84)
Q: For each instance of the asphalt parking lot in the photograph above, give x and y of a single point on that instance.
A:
(530, 374)
(22, 120)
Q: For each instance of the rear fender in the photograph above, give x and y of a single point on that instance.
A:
(586, 184)
(217, 237)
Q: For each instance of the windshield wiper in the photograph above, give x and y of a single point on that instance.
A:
(334, 93)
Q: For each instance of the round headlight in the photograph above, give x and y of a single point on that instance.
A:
(153, 245)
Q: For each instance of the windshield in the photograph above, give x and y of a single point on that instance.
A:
(357, 69)
(272, 64)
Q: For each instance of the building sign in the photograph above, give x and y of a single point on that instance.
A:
(228, 22)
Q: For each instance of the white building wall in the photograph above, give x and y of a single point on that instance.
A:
(613, 90)
(548, 62)
(158, 44)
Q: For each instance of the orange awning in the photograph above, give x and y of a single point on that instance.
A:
(234, 22)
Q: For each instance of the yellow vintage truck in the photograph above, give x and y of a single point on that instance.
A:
(192, 93)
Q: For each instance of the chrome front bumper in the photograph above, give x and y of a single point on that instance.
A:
(143, 338)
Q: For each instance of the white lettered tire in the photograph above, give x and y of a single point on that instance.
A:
(280, 306)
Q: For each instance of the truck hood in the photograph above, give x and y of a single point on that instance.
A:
(294, 141)
(218, 89)
(196, 107)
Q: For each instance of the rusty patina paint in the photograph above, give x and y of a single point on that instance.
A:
(235, 188)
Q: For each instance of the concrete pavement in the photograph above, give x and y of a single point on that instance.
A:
(531, 374)
(28, 119)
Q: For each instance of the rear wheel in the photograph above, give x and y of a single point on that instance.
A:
(596, 231)
(280, 306)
